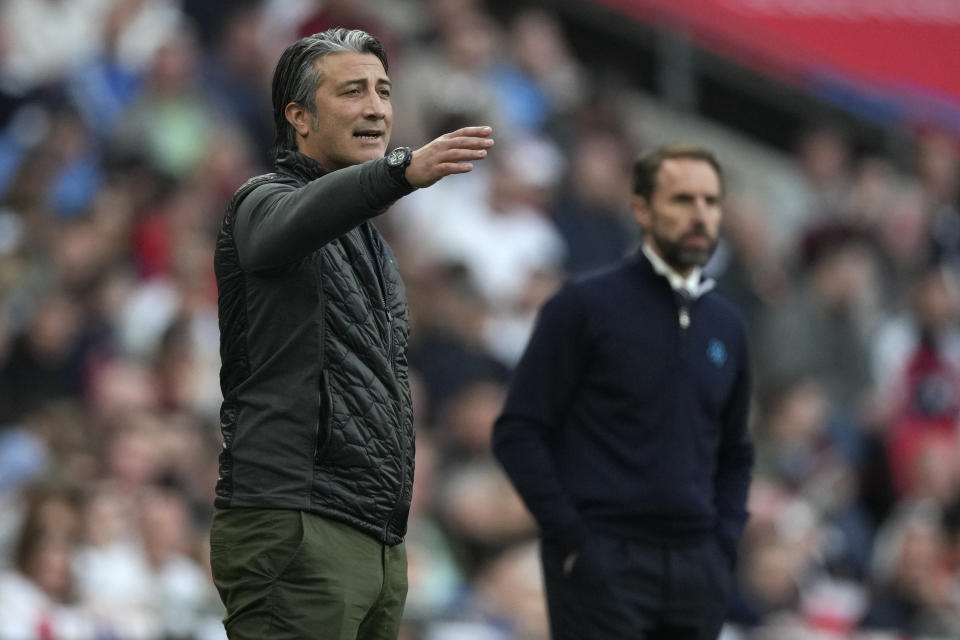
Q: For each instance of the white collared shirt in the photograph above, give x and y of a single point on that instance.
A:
(691, 284)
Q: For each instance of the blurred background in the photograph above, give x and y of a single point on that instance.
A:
(125, 126)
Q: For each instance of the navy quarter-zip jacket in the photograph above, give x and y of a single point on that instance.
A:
(623, 419)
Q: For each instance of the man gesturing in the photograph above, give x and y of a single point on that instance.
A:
(316, 470)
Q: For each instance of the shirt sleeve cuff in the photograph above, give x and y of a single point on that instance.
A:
(380, 186)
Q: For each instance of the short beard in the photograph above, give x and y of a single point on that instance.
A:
(682, 258)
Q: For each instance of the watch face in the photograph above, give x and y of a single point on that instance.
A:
(396, 157)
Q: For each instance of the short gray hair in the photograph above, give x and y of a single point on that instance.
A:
(297, 76)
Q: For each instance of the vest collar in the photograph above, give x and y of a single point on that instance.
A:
(298, 165)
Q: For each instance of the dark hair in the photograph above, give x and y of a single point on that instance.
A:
(648, 164)
(296, 76)
(36, 529)
(827, 239)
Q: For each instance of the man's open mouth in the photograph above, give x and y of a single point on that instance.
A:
(368, 136)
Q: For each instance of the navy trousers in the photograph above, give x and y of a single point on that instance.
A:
(638, 590)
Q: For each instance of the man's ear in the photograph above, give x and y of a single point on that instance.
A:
(641, 210)
(298, 117)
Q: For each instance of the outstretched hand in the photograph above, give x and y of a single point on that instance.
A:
(450, 153)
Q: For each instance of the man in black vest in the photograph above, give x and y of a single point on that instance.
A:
(625, 427)
(316, 470)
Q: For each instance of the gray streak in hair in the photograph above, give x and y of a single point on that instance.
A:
(297, 76)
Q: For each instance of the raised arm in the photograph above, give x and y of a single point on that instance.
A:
(278, 224)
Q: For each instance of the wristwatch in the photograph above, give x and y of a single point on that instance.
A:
(397, 162)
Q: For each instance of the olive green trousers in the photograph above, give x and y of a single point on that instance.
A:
(286, 574)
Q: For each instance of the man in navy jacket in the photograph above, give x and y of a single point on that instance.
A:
(625, 428)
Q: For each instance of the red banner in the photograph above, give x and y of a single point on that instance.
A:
(907, 49)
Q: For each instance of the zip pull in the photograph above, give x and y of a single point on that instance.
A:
(684, 300)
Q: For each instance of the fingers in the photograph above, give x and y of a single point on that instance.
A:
(464, 142)
(449, 168)
(471, 132)
(449, 154)
(462, 146)
(459, 155)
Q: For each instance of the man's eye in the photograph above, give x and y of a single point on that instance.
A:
(385, 93)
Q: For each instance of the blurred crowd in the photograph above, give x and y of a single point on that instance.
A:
(125, 126)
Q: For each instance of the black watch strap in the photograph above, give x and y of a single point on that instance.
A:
(397, 162)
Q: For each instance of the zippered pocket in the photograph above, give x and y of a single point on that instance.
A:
(325, 419)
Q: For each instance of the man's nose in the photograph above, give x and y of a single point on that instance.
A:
(700, 208)
(376, 107)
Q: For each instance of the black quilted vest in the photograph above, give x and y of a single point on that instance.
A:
(316, 413)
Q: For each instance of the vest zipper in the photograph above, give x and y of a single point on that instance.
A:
(322, 395)
(372, 257)
(403, 485)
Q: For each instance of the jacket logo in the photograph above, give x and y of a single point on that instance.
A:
(717, 352)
